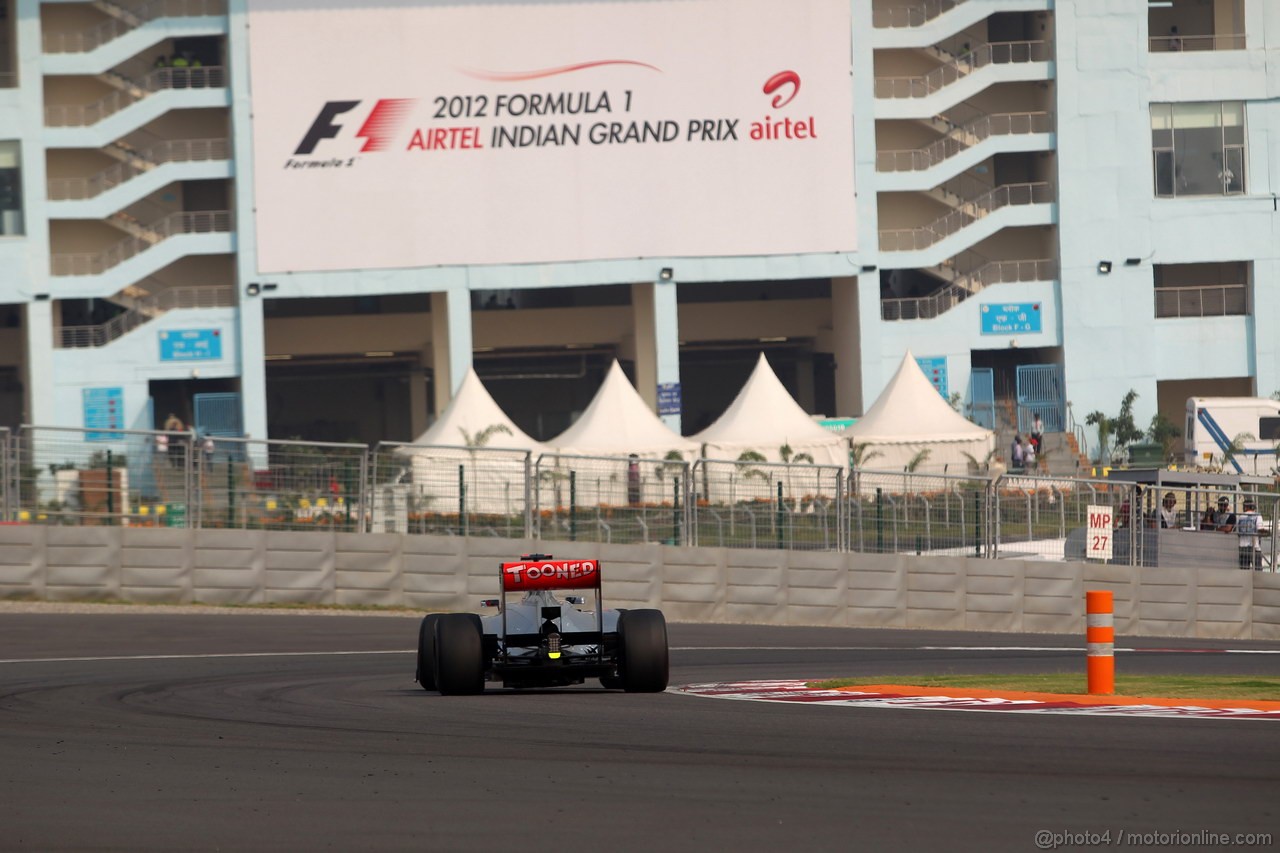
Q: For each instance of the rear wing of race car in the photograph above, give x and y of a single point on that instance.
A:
(539, 572)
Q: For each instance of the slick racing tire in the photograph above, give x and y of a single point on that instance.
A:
(426, 671)
(642, 651)
(459, 654)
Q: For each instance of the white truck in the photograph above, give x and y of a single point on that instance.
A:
(1213, 423)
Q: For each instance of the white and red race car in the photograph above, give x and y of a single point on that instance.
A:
(542, 640)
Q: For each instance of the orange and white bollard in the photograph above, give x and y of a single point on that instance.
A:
(1100, 640)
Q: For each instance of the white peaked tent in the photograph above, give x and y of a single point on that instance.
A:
(910, 416)
(619, 423)
(472, 411)
(616, 424)
(492, 472)
(764, 417)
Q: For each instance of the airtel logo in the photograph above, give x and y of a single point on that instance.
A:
(384, 120)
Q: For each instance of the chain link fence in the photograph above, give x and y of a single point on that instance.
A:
(68, 476)
(741, 504)
(897, 512)
(612, 499)
(450, 490)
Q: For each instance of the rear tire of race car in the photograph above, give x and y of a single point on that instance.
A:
(459, 654)
(426, 671)
(642, 651)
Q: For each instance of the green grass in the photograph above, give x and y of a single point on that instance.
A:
(1160, 686)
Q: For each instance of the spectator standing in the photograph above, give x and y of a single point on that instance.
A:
(1037, 432)
(633, 480)
(1224, 519)
(1168, 511)
(1249, 527)
(174, 444)
(1175, 40)
(181, 71)
(1016, 454)
(1029, 454)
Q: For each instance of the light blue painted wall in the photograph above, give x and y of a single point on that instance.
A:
(130, 362)
(1113, 342)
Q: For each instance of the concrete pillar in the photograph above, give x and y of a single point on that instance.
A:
(847, 346)
(450, 342)
(656, 321)
(40, 405)
(253, 370)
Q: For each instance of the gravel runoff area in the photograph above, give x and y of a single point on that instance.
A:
(22, 606)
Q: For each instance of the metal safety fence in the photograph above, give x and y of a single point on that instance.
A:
(744, 504)
(895, 512)
(611, 499)
(68, 476)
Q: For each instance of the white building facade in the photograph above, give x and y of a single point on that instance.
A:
(300, 220)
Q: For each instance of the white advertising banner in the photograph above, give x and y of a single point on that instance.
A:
(409, 134)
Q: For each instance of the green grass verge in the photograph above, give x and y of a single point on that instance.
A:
(1160, 686)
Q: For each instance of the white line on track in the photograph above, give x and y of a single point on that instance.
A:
(673, 648)
(194, 657)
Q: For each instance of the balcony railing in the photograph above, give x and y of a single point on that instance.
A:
(83, 115)
(169, 151)
(1179, 43)
(999, 53)
(916, 15)
(96, 263)
(99, 34)
(961, 139)
(146, 309)
(951, 295)
(914, 239)
(1218, 300)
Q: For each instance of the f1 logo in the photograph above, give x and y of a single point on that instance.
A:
(377, 131)
(323, 127)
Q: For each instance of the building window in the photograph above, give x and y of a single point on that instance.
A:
(10, 189)
(1198, 149)
(1202, 290)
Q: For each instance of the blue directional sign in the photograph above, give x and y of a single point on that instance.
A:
(191, 345)
(669, 398)
(103, 411)
(1016, 318)
(935, 369)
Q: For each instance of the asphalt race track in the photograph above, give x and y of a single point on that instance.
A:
(289, 732)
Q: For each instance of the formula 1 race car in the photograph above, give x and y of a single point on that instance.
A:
(541, 640)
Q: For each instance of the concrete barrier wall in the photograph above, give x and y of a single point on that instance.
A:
(158, 565)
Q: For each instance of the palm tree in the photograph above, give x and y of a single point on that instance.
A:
(860, 454)
(917, 460)
(481, 437)
(789, 457)
(743, 464)
(1235, 448)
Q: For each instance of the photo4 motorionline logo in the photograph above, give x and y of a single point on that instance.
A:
(380, 127)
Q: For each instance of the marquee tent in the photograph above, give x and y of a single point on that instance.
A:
(764, 418)
(616, 424)
(909, 417)
(619, 423)
(475, 436)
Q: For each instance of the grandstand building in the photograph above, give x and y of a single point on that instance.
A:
(308, 218)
